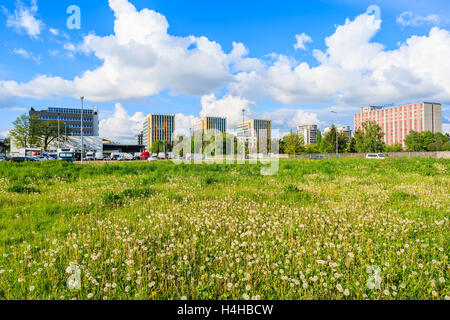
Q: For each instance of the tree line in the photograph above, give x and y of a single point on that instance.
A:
(367, 140)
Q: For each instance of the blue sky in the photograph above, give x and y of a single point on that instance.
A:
(267, 79)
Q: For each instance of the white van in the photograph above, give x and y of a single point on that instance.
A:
(375, 156)
(90, 156)
(161, 155)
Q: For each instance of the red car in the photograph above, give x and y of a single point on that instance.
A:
(145, 155)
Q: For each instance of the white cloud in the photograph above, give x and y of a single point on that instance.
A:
(302, 40)
(27, 55)
(291, 118)
(121, 126)
(355, 71)
(229, 107)
(410, 19)
(53, 31)
(24, 19)
(184, 123)
(141, 59)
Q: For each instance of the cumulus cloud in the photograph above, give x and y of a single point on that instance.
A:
(24, 20)
(410, 19)
(355, 71)
(229, 107)
(121, 126)
(184, 123)
(141, 59)
(302, 40)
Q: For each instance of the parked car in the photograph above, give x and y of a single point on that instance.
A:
(22, 159)
(2, 159)
(152, 159)
(317, 157)
(162, 155)
(375, 156)
(145, 155)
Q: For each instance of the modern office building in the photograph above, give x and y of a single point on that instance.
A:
(158, 127)
(398, 122)
(71, 119)
(254, 131)
(210, 123)
(309, 133)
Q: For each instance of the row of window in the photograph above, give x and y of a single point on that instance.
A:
(74, 111)
(64, 119)
(78, 126)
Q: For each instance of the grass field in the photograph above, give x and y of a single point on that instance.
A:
(332, 229)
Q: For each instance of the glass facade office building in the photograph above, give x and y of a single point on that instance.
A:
(71, 119)
(209, 123)
(158, 128)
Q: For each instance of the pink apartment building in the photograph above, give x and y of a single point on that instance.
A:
(397, 122)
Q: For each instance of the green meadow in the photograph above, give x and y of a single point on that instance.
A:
(329, 229)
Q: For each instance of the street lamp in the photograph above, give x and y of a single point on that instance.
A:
(58, 131)
(337, 136)
(82, 141)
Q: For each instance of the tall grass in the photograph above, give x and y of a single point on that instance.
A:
(165, 231)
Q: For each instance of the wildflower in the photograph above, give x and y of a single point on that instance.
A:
(246, 296)
(32, 288)
(346, 292)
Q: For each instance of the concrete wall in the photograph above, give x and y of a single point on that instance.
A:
(436, 155)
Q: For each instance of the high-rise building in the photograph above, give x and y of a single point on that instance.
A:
(398, 122)
(71, 119)
(158, 127)
(309, 133)
(254, 131)
(210, 123)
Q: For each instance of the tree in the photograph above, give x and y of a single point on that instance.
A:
(415, 142)
(427, 141)
(48, 132)
(319, 138)
(351, 147)
(293, 144)
(396, 147)
(26, 132)
(328, 144)
(8, 144)
(312, 148)
(369, 138)
(156, 147)
(441, 143)
(32, 132)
